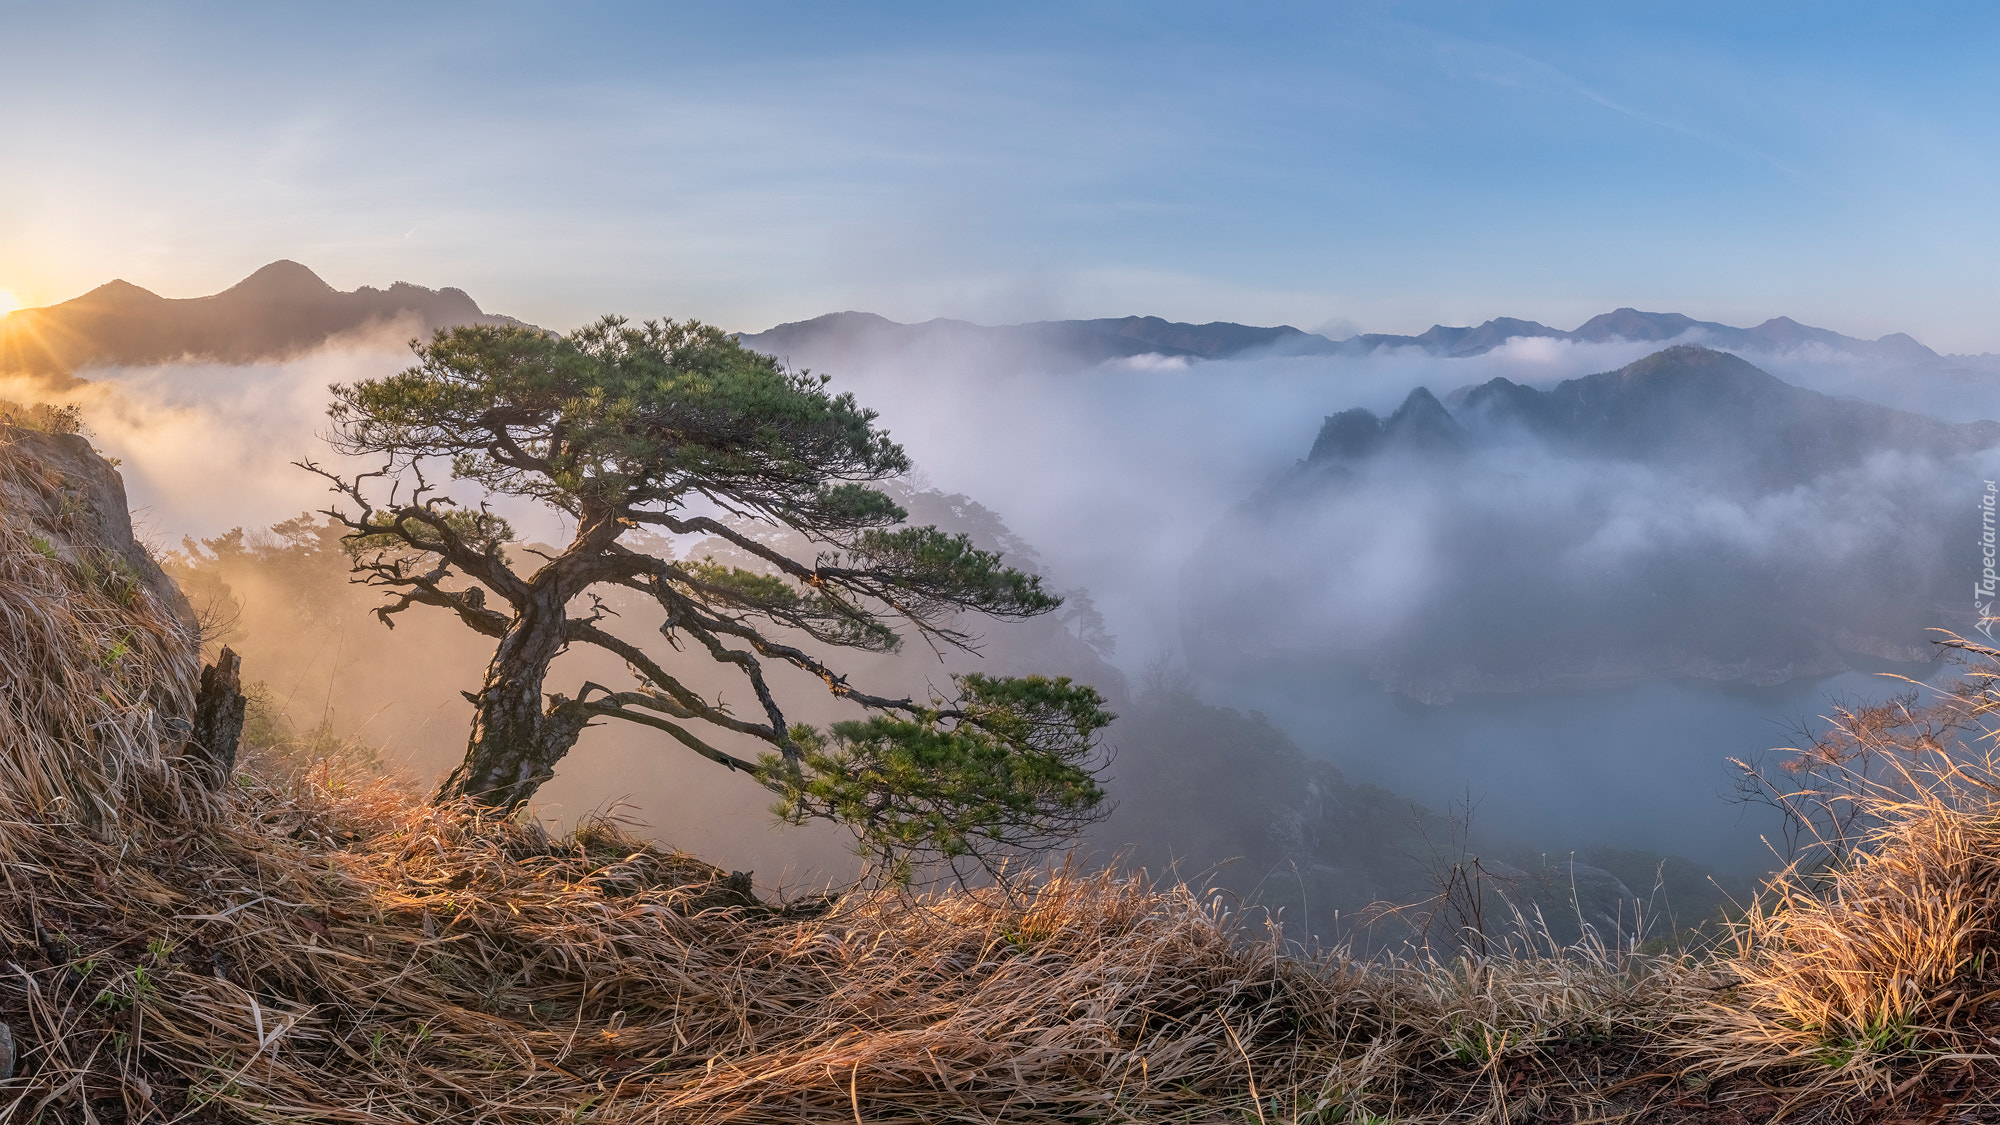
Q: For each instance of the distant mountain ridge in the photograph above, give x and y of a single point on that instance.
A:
(1687, 516)
(281, 310)
(1777, 334)
(1686, 405)
(846, 335)
(843, 335)
(284, 309)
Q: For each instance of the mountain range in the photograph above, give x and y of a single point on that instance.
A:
(845, 336)
(282, 310)
(1686, 516)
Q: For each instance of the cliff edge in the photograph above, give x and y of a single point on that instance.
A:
(98, 647)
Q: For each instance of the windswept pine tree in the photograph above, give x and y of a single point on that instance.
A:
(672, 427)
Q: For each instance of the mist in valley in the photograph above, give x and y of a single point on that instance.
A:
(1234, 602)
(1152, 482)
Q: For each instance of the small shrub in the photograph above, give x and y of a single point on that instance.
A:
(41, 417)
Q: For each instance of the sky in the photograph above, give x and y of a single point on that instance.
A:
(1336, 166)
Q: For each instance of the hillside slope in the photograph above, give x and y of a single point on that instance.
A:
(97, 656)
(307, 943)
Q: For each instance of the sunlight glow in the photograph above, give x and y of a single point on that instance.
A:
(8, 302)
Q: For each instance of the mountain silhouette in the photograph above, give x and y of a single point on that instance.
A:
(1687, 516)
(848, 337)
(282, 310)
(1696, 407)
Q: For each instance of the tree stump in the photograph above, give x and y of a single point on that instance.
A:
(218, 717)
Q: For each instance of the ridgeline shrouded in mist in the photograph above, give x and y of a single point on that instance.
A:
(675, 428)
(1686, 516)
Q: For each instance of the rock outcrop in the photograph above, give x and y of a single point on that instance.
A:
(73, 498)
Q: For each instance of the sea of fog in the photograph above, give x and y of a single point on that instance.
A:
(1646, 765)
(1116, 474)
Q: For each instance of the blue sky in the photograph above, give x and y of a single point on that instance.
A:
(1370, 166)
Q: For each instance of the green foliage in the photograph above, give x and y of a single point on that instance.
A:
(137, 987)
(616, 414)
(919, 561)
(1885, 1038)
(1469, 1042)
(1012, 772)
(304, 557)
(778, 598)
(107, 571)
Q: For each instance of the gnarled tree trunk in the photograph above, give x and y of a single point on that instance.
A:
(516, 741)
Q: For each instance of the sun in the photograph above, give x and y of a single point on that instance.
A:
(8, 302)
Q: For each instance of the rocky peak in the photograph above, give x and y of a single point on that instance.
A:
(1422, 423)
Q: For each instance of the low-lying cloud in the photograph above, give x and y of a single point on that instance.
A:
(1117, 472)
(1121, 473)
(204, 447)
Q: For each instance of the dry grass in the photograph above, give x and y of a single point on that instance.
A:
(1883, 970)
(328, 951)
(96, 671)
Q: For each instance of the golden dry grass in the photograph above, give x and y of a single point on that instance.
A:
(95, 670)
(1884, 969)
(327, 951)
